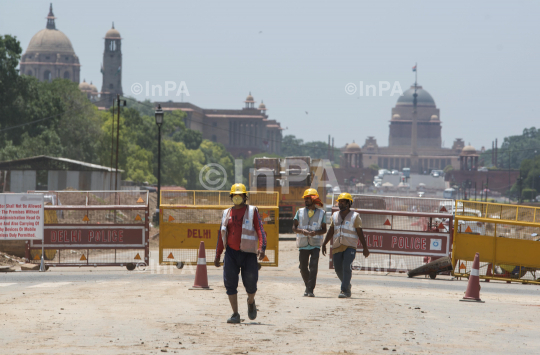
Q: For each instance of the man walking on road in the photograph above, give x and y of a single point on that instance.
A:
(243, 235)
(345, 231)
(309, 224)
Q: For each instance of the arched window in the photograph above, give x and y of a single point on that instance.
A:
(47, 76)
(66, 75)
(29, 72)
(112, 46)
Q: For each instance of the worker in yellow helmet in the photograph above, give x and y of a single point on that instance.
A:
(243, 236)
(346, 234)
(309, 224)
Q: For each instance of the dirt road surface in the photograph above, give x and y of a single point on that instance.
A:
(114, 311)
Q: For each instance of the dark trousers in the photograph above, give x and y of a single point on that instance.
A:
(309, 274)
(343, 266)
(236, 262)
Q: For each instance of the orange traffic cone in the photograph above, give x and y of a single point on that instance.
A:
(473, 287)
(201, 276)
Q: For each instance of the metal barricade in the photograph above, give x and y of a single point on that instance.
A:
(401, 204)
(402, 233)
(93, 228)
(189, 217)
(506, 237)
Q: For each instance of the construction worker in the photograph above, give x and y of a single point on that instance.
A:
(346, 232)
(243, 236)
(309, 224)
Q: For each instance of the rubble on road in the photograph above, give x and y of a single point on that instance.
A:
(10, 260)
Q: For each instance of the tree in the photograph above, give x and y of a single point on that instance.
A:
(515, 149)
(14, 89)
(291, 146)
(448, 168)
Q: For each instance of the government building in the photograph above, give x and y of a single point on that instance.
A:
(243, 132)
(422, 153)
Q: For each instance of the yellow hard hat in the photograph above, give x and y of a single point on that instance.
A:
(345, 196)
(238, 189)
(310, 192)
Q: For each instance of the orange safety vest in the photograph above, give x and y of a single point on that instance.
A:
(249, 241)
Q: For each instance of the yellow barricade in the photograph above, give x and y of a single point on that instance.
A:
(189, 217)
(506, 236)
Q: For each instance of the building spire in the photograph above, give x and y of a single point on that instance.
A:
(50, 19)
(113, 24)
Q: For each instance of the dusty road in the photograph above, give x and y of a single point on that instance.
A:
(113, 311)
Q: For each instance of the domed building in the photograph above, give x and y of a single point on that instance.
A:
(352, 156)
(468, 159)
(429, 125)
(50, 55)
(90, 90)
(421, 155)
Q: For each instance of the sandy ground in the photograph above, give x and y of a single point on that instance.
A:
(113, 311)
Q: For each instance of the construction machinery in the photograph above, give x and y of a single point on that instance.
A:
(290, 178)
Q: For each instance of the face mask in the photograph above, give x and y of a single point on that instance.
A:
(237, 200)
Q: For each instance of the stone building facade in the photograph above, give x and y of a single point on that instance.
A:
(429, 151)
(50, 55)
(243, 132)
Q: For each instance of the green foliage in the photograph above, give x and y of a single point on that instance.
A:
(183, 151)
(139, 165)
(56, 119)
(448, 168)
(529, 194)
(530, 173)
(15, 90)
(515, 149)
(374, 167)
(292, 146)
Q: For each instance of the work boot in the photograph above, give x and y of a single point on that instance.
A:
(344, 295)
(252, 310)
(306, 292)
(235, 318)
(310, 294)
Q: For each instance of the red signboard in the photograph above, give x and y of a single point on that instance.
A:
(93, 236)
(406, 242)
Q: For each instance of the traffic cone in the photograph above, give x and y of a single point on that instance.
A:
(201, 276)
(473, 287)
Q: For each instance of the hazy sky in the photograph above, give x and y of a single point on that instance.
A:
(479, 60)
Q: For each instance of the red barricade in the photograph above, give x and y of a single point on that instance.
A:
(401, 241)
(94, 228)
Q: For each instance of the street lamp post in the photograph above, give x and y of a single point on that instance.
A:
(159, 122)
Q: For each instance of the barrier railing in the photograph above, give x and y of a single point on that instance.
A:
(93, 228)
(506, 236)
(205, 198)
(399, 241)
(402, 204)
(189, 217)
